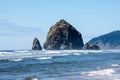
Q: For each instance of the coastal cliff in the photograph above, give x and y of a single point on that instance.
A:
(107, 41)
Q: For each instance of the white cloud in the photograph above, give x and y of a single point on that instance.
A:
(10, 29)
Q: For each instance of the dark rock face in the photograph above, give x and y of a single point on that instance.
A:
(91, 47)
(63, 36)
(31, 78)
(107, 41)
(36, 44)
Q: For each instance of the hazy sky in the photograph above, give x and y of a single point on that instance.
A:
(22, 20)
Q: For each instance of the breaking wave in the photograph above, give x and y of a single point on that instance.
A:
(102, 72)
(60, 64)
(49, 53)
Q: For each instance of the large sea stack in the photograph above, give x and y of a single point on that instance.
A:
(63, 36)
(36, 44)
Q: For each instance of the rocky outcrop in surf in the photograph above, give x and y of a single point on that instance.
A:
(62, 36)
(90, 47)
(36, 44)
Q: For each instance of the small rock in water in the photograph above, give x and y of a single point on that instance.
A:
(90, 47)
(31, 78)
(36, 44)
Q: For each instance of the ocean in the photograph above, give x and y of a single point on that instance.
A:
(60, 65)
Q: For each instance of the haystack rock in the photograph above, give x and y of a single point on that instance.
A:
(63, 36)
(36, 44)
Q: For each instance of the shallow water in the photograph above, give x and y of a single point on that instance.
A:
(60, 65)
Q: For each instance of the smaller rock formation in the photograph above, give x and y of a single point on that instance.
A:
(31, 78)
(36, 44)
(91, 47)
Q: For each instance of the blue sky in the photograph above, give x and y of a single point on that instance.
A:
(22, 20)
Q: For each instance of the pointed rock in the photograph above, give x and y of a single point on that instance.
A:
(63, 36)
(36, 44)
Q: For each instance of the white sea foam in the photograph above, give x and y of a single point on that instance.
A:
(50, 53)
(70, 51)
(35, 79)
(18, 59)
(114, 65)
(77, 54)
(103, 72)
(112, 51)
(1, 54)
(98, 68)
(6, 53)
(44, 58)
(22, 51)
